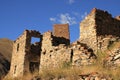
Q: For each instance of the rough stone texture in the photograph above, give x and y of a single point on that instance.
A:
(51, 55)
(97, 27)
(90, 76)
(23, 52)
(55, 57)
(61, 32)
(47, 42)
(77, 54)
(82, 55)
(97, 31)
(113, 59)
(94, 76)
(88, 32)
(28, 57)
(117, 17)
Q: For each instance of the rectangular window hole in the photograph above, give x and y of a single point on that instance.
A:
(18, 47)
(34, 40)
(15, 69)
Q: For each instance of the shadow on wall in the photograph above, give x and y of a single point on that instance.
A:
(60, 40)
(4, 66)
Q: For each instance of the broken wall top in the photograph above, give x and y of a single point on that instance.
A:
(61, 30)
(105, 24)
(30, 33)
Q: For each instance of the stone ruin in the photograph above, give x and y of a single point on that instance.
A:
(98, 29)
(54, 50)
(51, 51)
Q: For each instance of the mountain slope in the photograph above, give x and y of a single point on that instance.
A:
(5, 55)
(6, 48)
(4, 65)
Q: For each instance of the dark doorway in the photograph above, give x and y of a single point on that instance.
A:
(34, 67)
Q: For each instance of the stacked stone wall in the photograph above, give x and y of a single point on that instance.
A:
(23, 53)
(98, 29)
(17, 62)
(82, 55)
(61, 34)
(107, 29)
(88, 31)
(55, 57)
(76, 54)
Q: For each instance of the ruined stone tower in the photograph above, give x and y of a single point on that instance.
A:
(61, 31)
(98, 29)
(25, 56)
(51, 55)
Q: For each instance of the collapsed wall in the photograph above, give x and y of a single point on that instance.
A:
(54, 50)
(57, 53)
(44, 54)
(98, 29)
(53, 53)
(27, 58)
(25, 54)
(76, 54)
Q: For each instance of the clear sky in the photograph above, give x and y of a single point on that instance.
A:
(18, 15)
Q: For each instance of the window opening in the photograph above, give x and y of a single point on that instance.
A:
(34, 40)
(18, 47)
(34, 67)
(15, 69)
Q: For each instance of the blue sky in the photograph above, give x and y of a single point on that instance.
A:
(18, 15)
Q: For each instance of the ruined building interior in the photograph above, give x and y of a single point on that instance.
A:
(54, 48)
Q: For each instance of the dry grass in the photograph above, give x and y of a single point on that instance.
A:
(6, 46)
(5, 55)
(60, 72)
(71, 73)
(114, 45)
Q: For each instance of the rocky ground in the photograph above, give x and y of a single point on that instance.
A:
(91, 76)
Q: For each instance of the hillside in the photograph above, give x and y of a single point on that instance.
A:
(5, 55)
(4, 65)
(6, 48)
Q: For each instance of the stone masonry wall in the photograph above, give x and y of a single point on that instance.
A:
(47, 42)
(82, 54)
(76, 54)
(52, 56)
(17, 62)
(107, 28)
(46, 47)
(98, 29)
(61, 34)
(55, 57)
(22, 53)
(54, 51)
(28, 57)
(61, 30)
(88, 31)
(30, 62)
